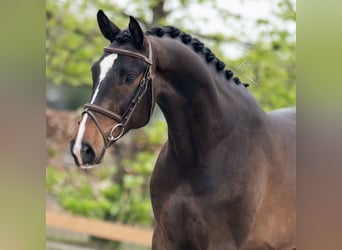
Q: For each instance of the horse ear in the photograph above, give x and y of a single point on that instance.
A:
(136, 32)
(108, 29)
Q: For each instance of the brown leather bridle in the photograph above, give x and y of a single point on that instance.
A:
(144, 84)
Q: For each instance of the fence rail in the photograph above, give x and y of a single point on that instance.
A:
(101, 229)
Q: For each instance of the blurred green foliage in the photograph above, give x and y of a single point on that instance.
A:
(73, 43)
(96, 195)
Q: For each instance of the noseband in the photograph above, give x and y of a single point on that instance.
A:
(144, 84)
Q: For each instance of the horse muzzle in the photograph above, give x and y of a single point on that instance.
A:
(85, 155)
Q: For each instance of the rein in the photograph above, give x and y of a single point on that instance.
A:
(144, 84)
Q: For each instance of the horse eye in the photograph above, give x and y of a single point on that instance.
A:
(130, 78)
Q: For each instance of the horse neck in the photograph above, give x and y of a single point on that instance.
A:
(199, 104)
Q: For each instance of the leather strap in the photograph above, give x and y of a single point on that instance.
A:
(105, 112)
(128, 53)
(91, 114)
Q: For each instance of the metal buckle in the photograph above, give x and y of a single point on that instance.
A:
(114, 138)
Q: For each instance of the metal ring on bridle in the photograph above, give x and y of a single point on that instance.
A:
(114, 138)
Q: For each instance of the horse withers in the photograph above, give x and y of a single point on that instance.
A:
(226, 177)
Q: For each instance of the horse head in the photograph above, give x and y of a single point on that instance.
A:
(122, 96)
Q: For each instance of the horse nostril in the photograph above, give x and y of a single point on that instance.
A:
(87, 153)
(72, 143)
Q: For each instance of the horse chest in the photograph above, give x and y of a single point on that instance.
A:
(182, 220)
(201, 212)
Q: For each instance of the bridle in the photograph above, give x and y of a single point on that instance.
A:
(144, 84)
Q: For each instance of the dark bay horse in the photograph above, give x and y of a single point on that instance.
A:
(225, 178)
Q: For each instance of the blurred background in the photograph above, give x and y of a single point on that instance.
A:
(255, 38)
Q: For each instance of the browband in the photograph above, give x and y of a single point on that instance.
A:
(130, 53)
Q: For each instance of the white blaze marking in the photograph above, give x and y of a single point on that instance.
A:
(105, 66)
(78, 143)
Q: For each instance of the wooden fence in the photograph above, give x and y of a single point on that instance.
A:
(101, 229)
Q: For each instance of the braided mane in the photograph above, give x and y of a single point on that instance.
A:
(187, 39)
